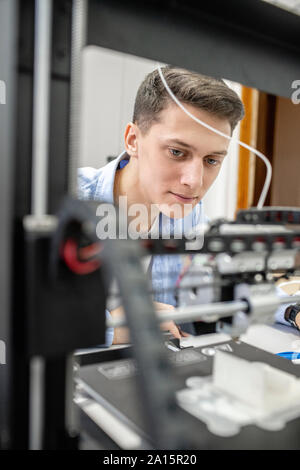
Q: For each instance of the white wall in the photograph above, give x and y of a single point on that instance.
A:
(220, 201)
(110, 81)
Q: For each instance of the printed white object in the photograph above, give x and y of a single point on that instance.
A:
(241, 393)
(257, 384)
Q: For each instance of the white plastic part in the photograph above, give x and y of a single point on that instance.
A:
(254, 383)
(241, 393)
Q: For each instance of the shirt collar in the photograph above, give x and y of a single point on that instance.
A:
(105, 185)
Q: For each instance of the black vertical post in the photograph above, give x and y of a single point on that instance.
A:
(8, 28)
(16, 106)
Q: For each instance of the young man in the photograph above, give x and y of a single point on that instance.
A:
(169, 163)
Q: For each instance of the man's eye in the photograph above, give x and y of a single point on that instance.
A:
(212, 161)
(176, 153)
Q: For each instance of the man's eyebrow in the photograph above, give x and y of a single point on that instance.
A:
(181, 143)
(219, 152)
(188, 146)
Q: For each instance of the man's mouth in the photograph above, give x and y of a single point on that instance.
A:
(183, 198)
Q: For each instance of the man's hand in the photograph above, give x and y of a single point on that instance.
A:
(121, 334)
(169, 325)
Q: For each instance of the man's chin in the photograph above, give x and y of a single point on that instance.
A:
(176, 211)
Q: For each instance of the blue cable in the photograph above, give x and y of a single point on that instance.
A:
(289, 355)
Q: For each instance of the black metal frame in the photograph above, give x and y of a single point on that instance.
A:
(16, 68)
(249, 41)
(8, 26)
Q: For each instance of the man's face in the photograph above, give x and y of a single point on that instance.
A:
(178, 159)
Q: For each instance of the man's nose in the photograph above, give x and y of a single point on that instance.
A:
(192, 174)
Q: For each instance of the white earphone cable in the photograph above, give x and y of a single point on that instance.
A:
(242, 144)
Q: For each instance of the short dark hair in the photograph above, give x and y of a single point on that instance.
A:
(207, 93)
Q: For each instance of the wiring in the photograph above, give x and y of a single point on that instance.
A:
(232, 139)
(78, 259)
(89, 251)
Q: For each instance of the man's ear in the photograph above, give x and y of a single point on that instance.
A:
(131, 141)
